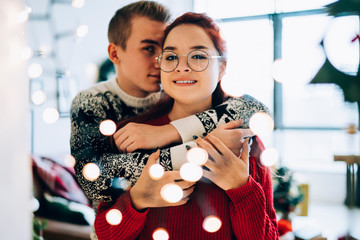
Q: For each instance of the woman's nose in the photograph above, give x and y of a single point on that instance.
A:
(183, 65)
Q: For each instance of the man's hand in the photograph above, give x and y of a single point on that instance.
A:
(146, 192)
(232, 136)
(143, 136)
(224, 168)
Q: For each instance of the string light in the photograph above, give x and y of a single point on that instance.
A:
(91, 171)
(35, 70)
(171, 193)
(160, 234)
(156, 171)
(211, 224)
(50, 115)
(82, 30)
(261, 124)
(77, 3)
(38, 97)
(269, 157)
(197, 156)
(107, 127)
(113, 217)
(69, 161)
(191, 172)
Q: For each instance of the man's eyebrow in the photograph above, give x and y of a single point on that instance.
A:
(150, 41)
(194, 47)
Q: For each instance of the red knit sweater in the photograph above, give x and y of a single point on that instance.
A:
(246, 212)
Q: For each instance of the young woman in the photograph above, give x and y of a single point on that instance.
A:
(237, 190)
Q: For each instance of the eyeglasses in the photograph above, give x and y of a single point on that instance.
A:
(197, 60)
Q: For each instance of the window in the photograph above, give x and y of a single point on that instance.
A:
(308, 116)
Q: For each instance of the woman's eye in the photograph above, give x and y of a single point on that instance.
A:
(198, 56)
(171, 58)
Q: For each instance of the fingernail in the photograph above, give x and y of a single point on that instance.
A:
(187, 147)
(204, 134)
(195, 137)
(155, 150)
(250, 141)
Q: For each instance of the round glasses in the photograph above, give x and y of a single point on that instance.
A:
(197, 60)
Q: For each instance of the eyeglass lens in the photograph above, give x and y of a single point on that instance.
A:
(197, 60)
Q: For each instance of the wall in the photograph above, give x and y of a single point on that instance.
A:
(15, 181)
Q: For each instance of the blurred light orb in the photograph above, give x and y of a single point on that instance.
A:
(38, 97)
(171, 193)
(113, 217)
(261, 123)
(77, 3)
(156, 171)
(120, 183)
(197, 156)
(82, 30)
(26, 53)
(91, 171)
(231, 87)
(269, 157)
(160, 234)
(23, 16)
(50, 115)
(191, 172)
(211, 224)
(107, 127)
(34, 70)
(69, 161)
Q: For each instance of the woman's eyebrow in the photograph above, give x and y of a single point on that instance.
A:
(171, 48)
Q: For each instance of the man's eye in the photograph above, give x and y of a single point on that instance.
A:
(150, 50)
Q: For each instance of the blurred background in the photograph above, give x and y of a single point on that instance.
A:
(51, 49)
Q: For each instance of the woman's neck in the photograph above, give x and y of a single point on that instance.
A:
(180, 110)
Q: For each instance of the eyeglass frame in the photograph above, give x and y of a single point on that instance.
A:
(187, 59)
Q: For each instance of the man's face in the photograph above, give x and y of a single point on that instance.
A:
(138, 72)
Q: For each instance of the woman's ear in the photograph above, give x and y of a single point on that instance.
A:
(222, 69)
(113, 52)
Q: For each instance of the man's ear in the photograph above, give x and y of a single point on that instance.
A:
(222, 70)
(113, 51)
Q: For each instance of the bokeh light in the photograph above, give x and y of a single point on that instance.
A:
(26, 53)
(91, 171)
(107, 127)
(197, 156)
(69, 161)
(171, 193)
(160, 234)
(231, 87)
(191, 172)
(35, 70)
(38, 97)
(82, 30)
(281, 70)
(113, 217)
(156, 171)
(211, 224)
(50, 115)
(269, 157)
(261, 124)
(77, 3)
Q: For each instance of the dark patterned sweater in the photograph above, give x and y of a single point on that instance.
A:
(107, 101)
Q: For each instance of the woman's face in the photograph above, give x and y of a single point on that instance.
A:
(183, 84)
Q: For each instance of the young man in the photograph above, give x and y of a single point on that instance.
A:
(135, 34)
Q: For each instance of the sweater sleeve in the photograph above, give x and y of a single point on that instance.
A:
(252, 212)
(131, 224)
(233, 109)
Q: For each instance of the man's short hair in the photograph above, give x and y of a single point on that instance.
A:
(120, 25)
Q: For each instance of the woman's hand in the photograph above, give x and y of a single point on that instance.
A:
(226, 170)
(232, 136)
(146, 191)
(143, 136)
